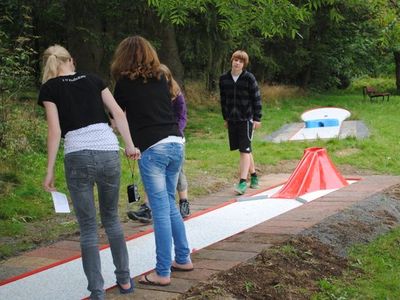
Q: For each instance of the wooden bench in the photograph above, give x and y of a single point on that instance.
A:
(372, 93)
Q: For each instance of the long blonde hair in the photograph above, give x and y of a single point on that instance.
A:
(173, 86)
(135, 57)
(53, 57)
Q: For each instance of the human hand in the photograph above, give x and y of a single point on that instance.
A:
(48, 182)
(256, 125)
(133, 153)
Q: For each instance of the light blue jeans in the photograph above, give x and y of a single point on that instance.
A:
(84, 169)
(159, 168)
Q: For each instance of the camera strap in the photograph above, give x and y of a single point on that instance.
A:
(134, 184)
(132, 169)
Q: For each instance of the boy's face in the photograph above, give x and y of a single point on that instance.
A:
(237, 65)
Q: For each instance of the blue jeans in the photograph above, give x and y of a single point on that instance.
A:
(159, 169)
(84, 169)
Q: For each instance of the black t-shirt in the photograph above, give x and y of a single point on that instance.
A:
(78, 100)
(148, 109)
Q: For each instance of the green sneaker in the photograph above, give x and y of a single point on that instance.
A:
(254, 182)
(241, 187)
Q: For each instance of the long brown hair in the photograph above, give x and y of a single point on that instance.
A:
(173, 86)
(135, 57)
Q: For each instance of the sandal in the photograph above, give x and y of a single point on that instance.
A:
(146, 281)
(126, 291)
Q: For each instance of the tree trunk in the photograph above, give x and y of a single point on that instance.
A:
(397, 64)
(169, 53)
(216, 55)
(84, 28)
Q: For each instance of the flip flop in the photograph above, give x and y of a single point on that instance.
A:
(126, 291)
(147, 281)
(176, 269)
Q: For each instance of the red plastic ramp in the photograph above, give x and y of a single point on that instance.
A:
(314, 172)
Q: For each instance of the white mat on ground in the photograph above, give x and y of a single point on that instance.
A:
(67, 281)
(322, 113)
(316, 133)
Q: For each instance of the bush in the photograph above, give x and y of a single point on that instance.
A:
(387, 84)
(16, 71)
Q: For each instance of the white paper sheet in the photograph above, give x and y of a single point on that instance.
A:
(60, 202)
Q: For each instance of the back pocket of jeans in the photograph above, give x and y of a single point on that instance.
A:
(77, 178)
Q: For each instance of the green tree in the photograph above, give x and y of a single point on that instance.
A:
(387, 16)
(226, 25)
(16, 62)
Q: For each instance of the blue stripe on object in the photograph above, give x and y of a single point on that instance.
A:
(322, 123)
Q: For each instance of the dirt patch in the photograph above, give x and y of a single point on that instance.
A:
(40, 233)
(292, 269)
(287, 271)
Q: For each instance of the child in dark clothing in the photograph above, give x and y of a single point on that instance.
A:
(241, 110)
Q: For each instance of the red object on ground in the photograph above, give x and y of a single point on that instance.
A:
(314, 172)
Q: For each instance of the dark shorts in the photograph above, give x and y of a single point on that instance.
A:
(240, 135)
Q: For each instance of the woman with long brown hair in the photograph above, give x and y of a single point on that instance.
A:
(142, 92)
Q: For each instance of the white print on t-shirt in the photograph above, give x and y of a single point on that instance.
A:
(74, 79)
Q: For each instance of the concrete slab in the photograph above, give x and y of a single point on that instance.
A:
(356, 129)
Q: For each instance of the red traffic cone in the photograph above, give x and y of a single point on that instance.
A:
(314, 172)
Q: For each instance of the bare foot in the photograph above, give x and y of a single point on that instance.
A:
(183, 267)
(125, 286)
(155, 279)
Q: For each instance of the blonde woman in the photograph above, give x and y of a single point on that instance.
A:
(74, 104)
(141, 90)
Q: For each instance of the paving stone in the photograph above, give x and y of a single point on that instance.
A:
(349, 197)
(53, 253)
(67, 244)
(287, 223)
(255, 237)
(197, 274)
(223, 255)
(141, 294)
(264, 228)
(237, 246)
(12, 271)
(211, 264)
(313, 211)
(29, 262)
(178, 285)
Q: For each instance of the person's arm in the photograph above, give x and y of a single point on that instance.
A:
(256, 102)
(180, 110)
(121, 123)
(53, 143)
(223, 102)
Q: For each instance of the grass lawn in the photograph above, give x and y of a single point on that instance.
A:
(380, 272)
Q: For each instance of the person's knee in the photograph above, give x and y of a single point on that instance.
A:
(113, 228)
